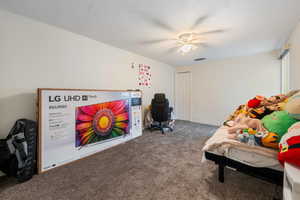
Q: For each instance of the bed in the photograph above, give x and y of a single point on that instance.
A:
(256, 161)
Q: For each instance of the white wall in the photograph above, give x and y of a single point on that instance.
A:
(36, 55)
(218, 87)
(295, 58)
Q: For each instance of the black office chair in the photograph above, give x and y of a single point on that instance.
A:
(161, 112)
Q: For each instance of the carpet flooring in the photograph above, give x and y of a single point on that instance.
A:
(153, 166)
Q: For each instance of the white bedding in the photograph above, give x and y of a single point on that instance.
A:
(250, 158)
(253, 156)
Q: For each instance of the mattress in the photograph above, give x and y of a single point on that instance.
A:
(254, 156)
(249, 158)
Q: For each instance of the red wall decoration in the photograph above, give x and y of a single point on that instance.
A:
(144, 77)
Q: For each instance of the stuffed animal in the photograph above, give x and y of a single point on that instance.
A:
(293, 106)
(244, 122)
(273, 100)
(251, 131)
(270, 140)
(242, 109)
(291, 93)
(290, 151)
(258, 138)
(259, 113)
(259, 107)
(243, 137)
(294, 130)
(282, 104)
(254, 103)
(247, 136)
(278, 122)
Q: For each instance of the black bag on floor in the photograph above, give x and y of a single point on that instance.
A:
(18, 150)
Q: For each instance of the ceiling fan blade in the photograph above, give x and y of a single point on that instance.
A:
(179, 42)
(204, 44)
(196, 40)
(172, 49)
(156, 22)
(154, 41)
(198, 21)
(162, 25)
(213, 32)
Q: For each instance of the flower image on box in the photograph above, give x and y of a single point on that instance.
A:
(100, 122)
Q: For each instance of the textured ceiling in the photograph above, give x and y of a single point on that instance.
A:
(229, 27)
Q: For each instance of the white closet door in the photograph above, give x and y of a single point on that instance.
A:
(183, 96)
(285, 73)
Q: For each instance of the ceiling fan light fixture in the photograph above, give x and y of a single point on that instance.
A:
(187, 42)
(186, 48)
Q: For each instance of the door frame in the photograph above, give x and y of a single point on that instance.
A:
(190, 93)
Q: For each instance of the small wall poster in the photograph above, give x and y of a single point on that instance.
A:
(144, 77)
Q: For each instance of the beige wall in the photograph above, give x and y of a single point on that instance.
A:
(218, 87)
(295, 58)
(35, 55)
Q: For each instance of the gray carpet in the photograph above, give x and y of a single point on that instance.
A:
(153, 166)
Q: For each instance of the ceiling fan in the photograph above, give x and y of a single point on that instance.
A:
(186, 41)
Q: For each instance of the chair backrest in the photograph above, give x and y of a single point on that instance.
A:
(160, 108)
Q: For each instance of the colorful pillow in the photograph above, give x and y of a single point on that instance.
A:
(293, 106)
(278, 122)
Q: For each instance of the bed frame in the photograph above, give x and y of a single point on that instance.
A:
(267, 174)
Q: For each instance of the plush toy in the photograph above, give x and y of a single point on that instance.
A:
(259, 107)
(266, 105)
(294, 130)
(287, 145)
(259, 113)
(254, 103)
(247, 136)
(251, 131)
(291, 93)
(273, 100)
(290, 151)
(293, 106)
(270, 140)
(243, 137)
(244, 122)
(278, 122)
(258, 138)
(282, 104)
(240, 110)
